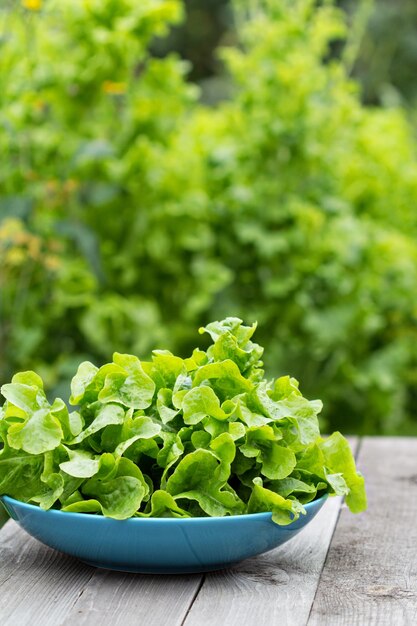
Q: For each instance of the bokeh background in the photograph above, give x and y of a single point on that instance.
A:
(164, 164)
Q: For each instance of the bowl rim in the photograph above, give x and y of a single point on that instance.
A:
(57, 513)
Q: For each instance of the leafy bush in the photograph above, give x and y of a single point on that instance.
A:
(132, 213)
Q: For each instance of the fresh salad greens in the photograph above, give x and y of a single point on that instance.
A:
(203, 436)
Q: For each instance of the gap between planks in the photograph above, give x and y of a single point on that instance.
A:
(370, 575)
(277, 587)
(357, 450)
(42, 587)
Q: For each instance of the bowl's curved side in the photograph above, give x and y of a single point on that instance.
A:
(241, 537)
(157, 545)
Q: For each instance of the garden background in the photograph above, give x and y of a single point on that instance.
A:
(164, 165)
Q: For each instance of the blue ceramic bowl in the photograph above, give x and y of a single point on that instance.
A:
(157, 545)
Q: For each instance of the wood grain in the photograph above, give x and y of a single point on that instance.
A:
(132, 599)
(42, 587)
(370, 575)
(275, 588)
(37, 584)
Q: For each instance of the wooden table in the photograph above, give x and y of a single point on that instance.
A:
(342, 569)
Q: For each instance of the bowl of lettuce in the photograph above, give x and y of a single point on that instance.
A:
(172, 464)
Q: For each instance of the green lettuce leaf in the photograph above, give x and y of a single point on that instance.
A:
(263, 500)
(198, 477)
(20, 473)
(164, 405)
(81, 464)
(40, 433)
(139, 429)
(201, 402)
(106, 415)
(81, 384)
(225, 378)
(173, 437)
(28, 398)
(339, 459)
(263, 443)
(163, 505)
(120, 493)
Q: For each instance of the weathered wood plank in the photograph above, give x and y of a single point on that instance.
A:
(275, 588)
(40, 586)
(131, 599)
(370, 575)
(37, 584)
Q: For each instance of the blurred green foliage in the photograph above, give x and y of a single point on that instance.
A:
(196, 38)
(131, 213)
(386, 63)
(385, 52)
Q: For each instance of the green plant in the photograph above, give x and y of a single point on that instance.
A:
(289, 203)
(317, 193)
(62, 152)
(206, 435)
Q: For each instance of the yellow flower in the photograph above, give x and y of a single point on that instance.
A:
(55, 245)
(10, 228)
(114, 88)
(39, 105)
(31, 175)
(15, 257)
(52, 262)
(21, 238)
(34, 247)
(32, 5)
(52, 185)
(71, 185)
